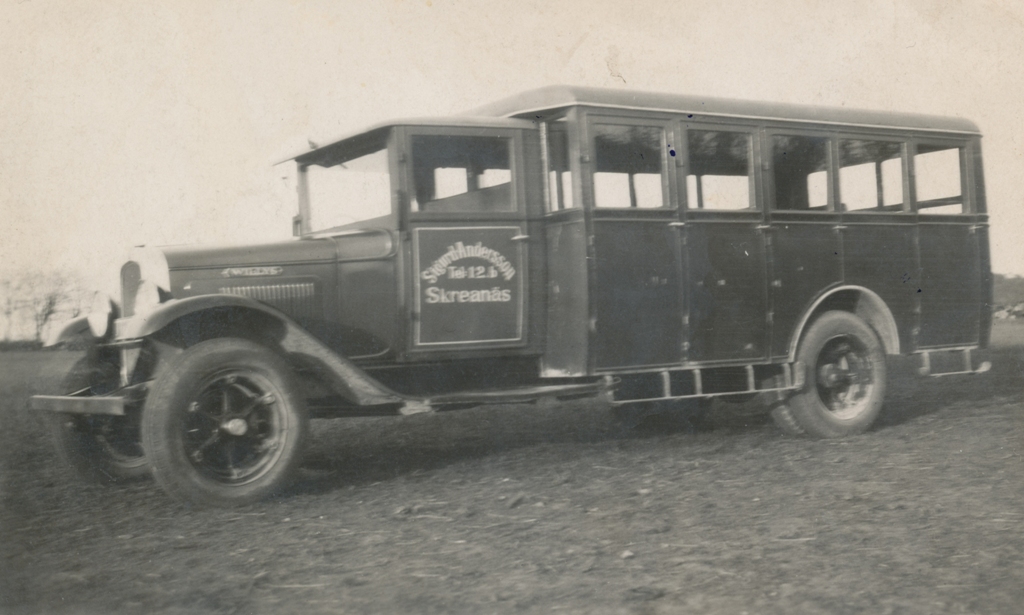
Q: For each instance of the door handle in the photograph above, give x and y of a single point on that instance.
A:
(677, 224)
(520, 237)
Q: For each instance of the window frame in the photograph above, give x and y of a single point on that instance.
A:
(589, 157)
(904, 167)
(302, 222)
(516, 164)
(831, 167)
(567, 125)
(966, 196)
(753, 180)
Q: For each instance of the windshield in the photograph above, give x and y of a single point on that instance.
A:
(348, 186)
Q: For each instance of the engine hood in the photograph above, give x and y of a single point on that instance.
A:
(356, 245)
(253, 255)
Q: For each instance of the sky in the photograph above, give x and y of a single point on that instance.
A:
(125, 123)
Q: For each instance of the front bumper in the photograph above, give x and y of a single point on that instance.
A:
(112, 404)
(71, 404)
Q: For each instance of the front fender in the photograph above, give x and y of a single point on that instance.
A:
(344, 377)
(143, 325)
(74, 330)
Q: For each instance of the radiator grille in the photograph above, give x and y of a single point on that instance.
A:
(296, 300)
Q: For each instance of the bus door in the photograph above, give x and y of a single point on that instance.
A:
(725, 246)
(567, 327)
(949, 245)
(806, 230)
(468, 238)
(636, 302)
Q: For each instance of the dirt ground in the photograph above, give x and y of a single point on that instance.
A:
(551, 508)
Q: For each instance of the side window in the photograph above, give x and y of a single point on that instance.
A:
(461, 174)
(870, 175)
(628, 166)
(719, 170)
(800, 164)
(937, 179)
(559, 175)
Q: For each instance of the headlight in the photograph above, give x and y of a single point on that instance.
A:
(147, 297)
(144, 264)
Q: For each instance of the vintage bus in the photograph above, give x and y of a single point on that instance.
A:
(651, 249)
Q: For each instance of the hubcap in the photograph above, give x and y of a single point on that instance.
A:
(234, 427)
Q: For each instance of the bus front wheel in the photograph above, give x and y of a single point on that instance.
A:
(224, 424)
(845, 382)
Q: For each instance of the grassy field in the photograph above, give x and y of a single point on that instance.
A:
(551, 508)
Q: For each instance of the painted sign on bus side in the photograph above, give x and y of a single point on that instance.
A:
(469, 285)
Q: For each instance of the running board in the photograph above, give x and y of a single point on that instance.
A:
(938, 363)
(692, 383)
(514, 395)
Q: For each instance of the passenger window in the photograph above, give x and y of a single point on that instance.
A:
(719, 170)
(461, 174)
(559, 175)
(628, 166)
(937, 179)
(870, 175)
(817, 190)
(801, 173)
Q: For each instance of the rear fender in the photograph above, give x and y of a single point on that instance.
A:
(864, 303)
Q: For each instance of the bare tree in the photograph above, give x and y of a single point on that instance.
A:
(8, 306)
(37, 299)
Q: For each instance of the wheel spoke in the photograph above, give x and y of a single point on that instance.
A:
(268, 445)
(231, 447)
(263, 400)
(199, 410)
(245, 391)
(197, 454)
(225, 402)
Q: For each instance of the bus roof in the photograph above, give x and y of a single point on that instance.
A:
(376, 130)
(535, 102)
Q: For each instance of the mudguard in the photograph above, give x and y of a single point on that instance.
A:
(343, 375)
(74, 330)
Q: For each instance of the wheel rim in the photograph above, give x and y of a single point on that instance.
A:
(235, 427)
(845, 376)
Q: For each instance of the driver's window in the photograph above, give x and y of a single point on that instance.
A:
(461, 174)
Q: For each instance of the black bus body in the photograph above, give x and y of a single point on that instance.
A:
(645, 248)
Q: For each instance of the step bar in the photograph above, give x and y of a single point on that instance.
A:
(947, 358)
(791, 378)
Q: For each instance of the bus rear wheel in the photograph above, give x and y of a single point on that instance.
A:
(845, 382)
